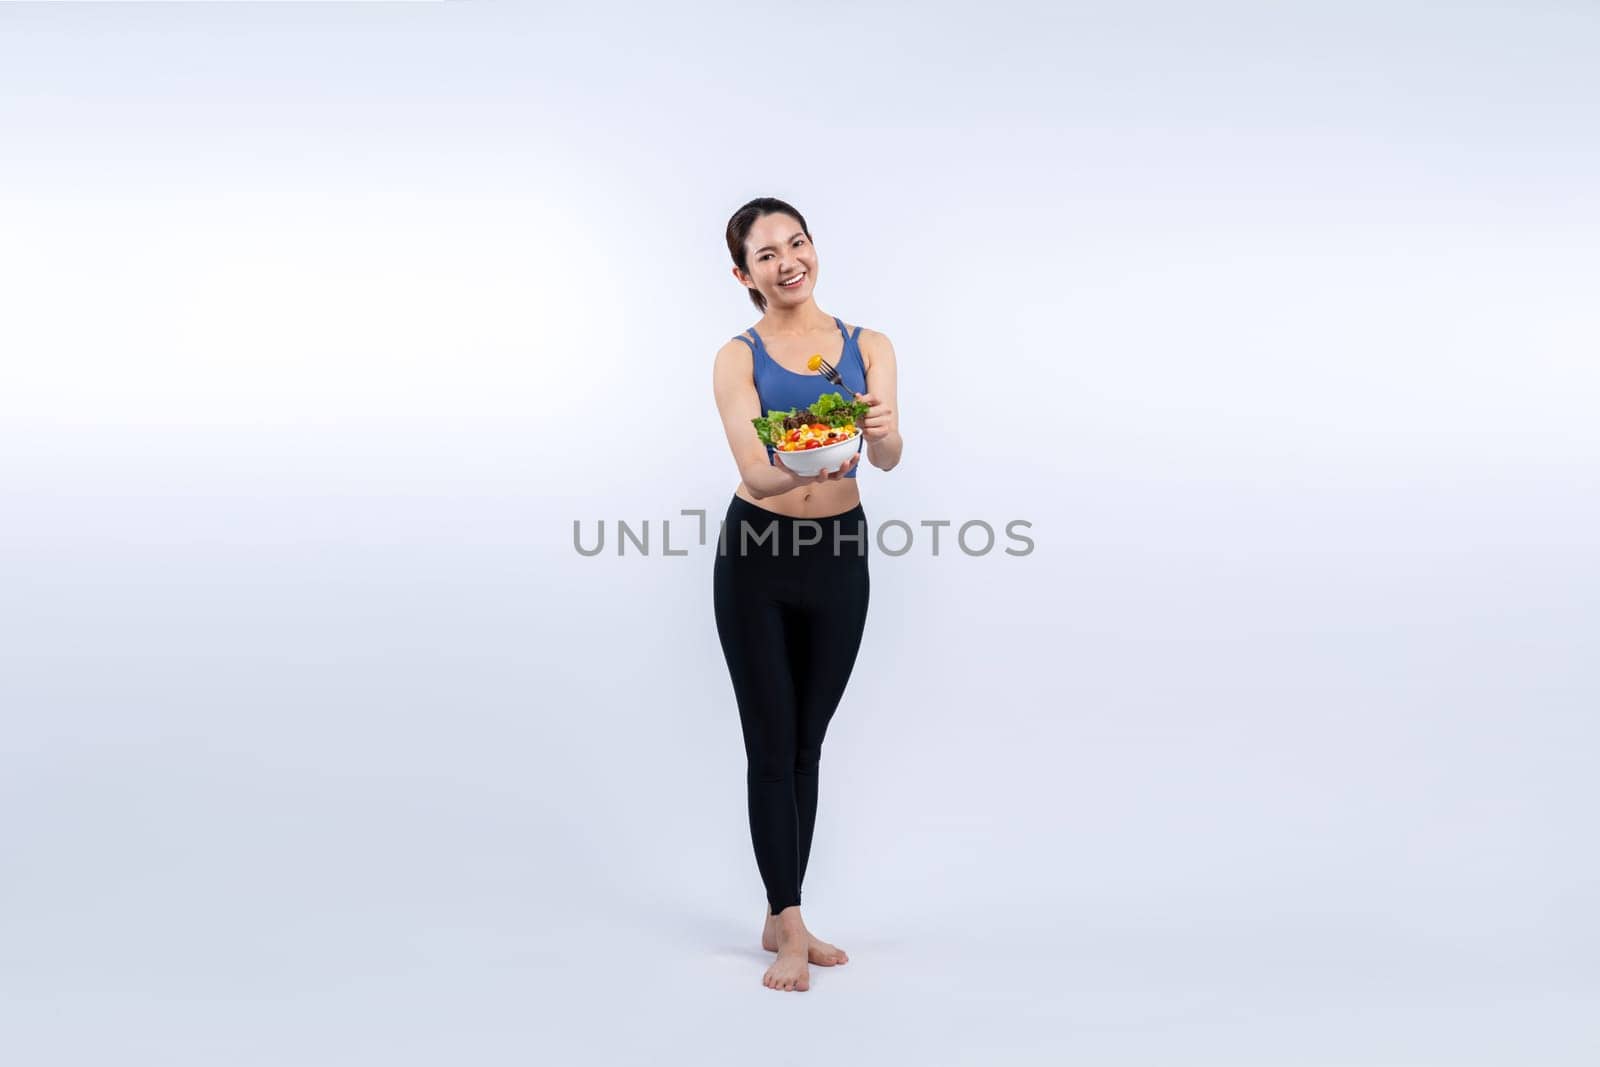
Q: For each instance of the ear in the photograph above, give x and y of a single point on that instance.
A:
(743, 278)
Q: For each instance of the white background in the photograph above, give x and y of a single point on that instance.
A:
(321, 324)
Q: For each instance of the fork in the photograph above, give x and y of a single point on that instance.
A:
(827, 370)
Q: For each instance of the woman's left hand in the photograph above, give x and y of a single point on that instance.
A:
(881, 421)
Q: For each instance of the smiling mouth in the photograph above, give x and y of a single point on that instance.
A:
(798, 278)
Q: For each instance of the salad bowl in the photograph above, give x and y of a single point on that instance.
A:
(821, 438)
(809, 461)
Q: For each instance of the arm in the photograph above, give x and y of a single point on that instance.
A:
(738, 403)
(882, 425)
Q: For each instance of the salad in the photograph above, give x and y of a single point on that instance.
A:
(830, 420)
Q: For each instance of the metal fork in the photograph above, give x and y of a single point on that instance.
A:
(826, 369)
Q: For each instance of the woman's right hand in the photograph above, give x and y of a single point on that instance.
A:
(827, 475)
(776, 478)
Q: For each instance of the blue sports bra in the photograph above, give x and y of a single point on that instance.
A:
(780, 389)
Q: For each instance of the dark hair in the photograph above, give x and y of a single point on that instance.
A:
(739, 229)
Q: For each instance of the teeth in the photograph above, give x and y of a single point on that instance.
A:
(795, 280)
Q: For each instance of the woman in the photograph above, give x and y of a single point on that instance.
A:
(790, 580)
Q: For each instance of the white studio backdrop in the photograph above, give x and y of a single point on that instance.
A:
(323, 324)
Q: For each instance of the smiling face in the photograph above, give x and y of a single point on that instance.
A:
(779, 251)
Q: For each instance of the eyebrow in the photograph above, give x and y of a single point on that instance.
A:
(769, 248)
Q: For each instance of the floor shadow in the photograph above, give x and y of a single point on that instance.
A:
(720, 936)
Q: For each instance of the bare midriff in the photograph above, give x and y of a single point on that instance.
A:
(809, 501)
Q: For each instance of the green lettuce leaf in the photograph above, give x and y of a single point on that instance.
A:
(830, 408)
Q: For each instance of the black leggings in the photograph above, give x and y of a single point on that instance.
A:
(790, 626)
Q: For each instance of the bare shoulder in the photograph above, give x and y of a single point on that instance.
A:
(733, 354)
(874, 346)
(732, 367)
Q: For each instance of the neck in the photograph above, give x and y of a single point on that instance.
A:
(796, 320)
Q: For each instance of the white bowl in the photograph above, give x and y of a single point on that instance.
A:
(811, 461)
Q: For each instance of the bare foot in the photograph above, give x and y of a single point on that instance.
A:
(789, 971)
(818, 951)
